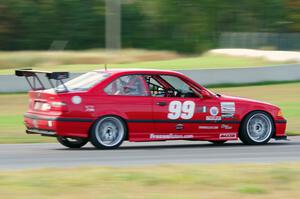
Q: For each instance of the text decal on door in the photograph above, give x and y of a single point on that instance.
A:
(181, 110)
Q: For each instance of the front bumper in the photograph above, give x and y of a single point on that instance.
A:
(280, 127)
(280, 137)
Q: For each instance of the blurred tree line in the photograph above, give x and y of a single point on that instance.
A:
(181, 25)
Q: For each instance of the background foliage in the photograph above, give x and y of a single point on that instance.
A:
(181, 25)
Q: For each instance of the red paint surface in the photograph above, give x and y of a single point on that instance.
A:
(142, 114)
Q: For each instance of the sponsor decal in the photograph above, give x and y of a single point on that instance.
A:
(227, 136)
(179, 126)
(89, 108)
(213, 118)
(227, 109)
(213, 111)
(45, 107)
(181, 110)
(208, 127)
(170, 136)
(226, 127)
(76, 100)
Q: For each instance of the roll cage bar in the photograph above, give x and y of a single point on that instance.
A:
(35, 82)
(167, 85)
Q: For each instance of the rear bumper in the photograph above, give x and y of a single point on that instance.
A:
(41, 132)
(57, 126)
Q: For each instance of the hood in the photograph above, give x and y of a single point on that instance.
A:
(226, 98)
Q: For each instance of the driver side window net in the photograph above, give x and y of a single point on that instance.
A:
(129, 85)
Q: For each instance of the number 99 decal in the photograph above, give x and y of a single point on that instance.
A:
(183, 110)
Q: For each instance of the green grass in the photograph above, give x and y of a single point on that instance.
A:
(206, 61)
(252, 189)
(285, 95)
(250, 181)
(12, 129)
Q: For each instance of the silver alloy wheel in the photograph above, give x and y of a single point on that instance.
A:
(109, 131)
(259, 127)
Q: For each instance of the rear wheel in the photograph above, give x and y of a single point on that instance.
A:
(108, 133)
(72, 142)
(257, 128)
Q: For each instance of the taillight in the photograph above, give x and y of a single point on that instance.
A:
(45, 107)
(59, 106)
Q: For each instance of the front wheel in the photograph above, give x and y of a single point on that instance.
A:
(108, 133)
(72, 142)
(257, 128)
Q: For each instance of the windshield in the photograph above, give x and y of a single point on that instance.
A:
(84, 82)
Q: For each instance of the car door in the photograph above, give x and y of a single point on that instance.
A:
(129, 97)
(182, 114)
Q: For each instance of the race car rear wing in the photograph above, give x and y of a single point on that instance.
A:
(32, 78)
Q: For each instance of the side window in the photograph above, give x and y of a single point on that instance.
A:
(156, 89)
(129, 85)
(180, 88)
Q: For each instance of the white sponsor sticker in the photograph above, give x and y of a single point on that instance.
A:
(170, 136)
(89, 108)
(214, 111)
(226, 127)
(228, 136)
(208, 127)
(227, 109)
(76, 100)
(213, 118)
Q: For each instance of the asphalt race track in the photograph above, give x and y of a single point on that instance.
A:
(20, 156)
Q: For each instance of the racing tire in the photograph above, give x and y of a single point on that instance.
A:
(74, 143)
(108, 132)
(218, 142)
(257, 128)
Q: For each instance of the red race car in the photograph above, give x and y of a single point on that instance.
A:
(107, 107)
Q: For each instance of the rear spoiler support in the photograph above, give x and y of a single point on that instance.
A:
(32, 78)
